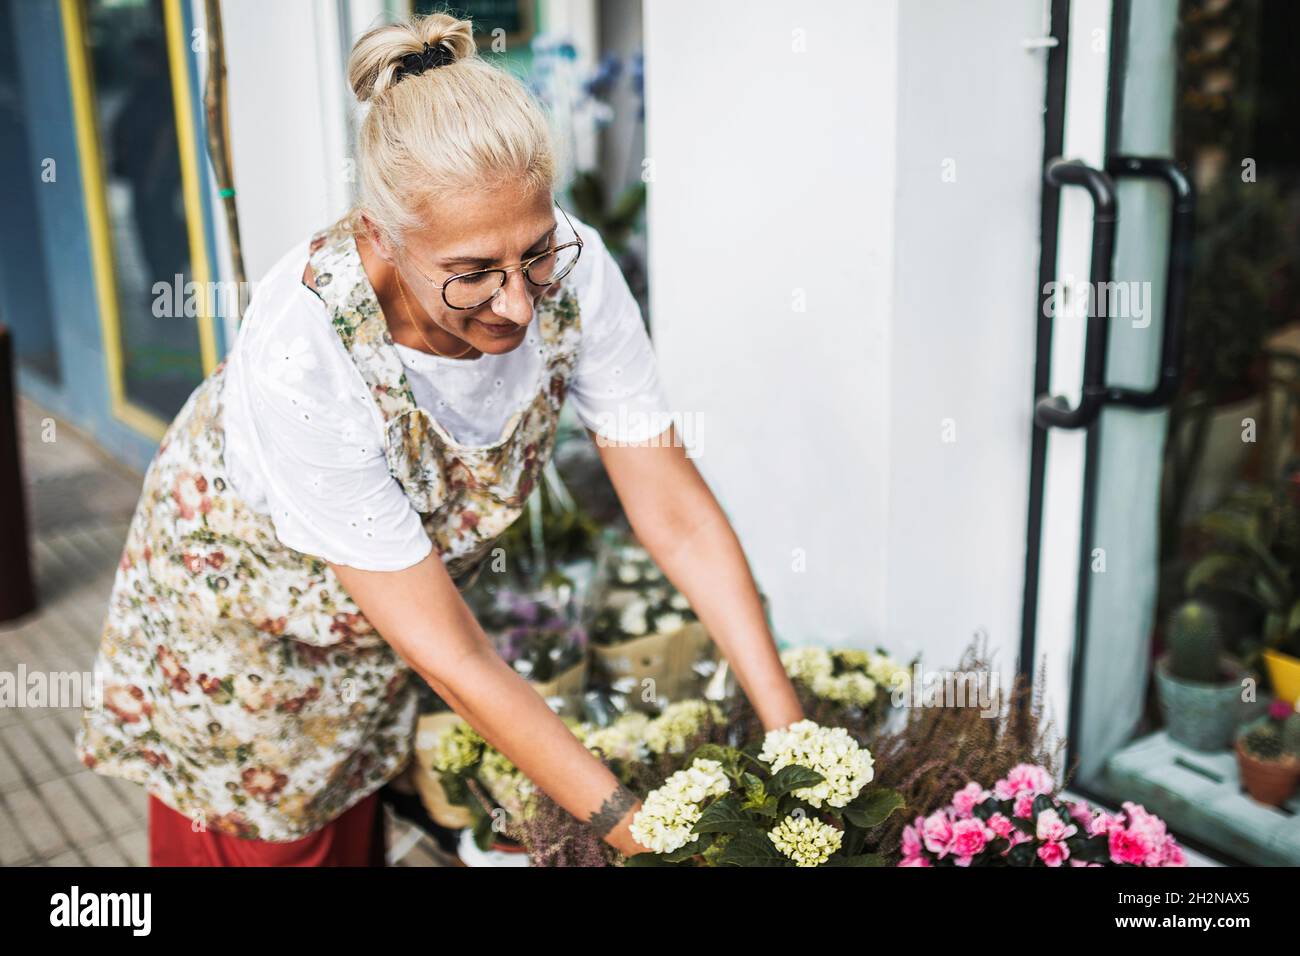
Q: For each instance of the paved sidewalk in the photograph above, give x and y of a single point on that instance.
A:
(53, 810)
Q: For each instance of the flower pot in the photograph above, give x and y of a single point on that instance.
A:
(567, 685)
(471, 855)
(1284, 675)
(427, 782)
(1268, 781)
(666, 659)
(1201, 716)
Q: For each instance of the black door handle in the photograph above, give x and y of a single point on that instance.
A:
(1181, 225)
(1053, 411)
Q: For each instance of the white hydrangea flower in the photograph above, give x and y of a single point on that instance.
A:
(667, 623)
(887, 672)
(806, 840)
(459, 747)
(621, 740)
(632, 620)
(851, 687)
(668, 814)
(678, 602)
(829, 751)
(628, 573)
(505, 783)
(807, 664)
(669, 732)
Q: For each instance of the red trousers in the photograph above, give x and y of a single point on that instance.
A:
(355, 838)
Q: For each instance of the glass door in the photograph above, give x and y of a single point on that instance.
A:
(128, 61)
(1188, 614)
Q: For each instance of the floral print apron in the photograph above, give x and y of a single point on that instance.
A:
(242, 686)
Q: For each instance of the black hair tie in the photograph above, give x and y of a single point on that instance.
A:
(430, 58)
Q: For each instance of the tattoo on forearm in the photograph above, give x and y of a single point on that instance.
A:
(612, 810)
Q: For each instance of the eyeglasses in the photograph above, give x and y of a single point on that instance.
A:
(470, 290)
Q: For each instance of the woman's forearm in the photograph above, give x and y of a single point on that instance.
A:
(511, 716)
(703, 558)
(425, 619)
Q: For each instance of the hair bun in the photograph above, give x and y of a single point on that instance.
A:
(382, 56)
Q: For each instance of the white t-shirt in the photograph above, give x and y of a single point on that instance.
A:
(305, 439)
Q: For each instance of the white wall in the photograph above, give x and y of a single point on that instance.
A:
(288, 107)
(774, 175)
(822, 171)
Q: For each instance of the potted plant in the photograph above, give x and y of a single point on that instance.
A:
(1253, 561)
(1024, 821)
(1199, 686)
(1268, 755)
(801, 797)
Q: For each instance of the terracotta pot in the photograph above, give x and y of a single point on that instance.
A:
(1268, 781)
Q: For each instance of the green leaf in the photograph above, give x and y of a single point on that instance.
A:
(1022, 854)
(1094, 849)
(1271, 598)
(793, 777)
(684, 853)
(483, 833)
(723, 816)
(751, 848)
(1216, 570)
(729, 757)
(628, 205)
(873, 807)
(854, 838)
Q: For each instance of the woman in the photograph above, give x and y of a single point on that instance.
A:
(316, 507)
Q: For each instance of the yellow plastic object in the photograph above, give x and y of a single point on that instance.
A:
(1284, 674)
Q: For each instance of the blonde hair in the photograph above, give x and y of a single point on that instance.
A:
(465, 125)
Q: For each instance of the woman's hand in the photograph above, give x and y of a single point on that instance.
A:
(677, 519)
(419, 612)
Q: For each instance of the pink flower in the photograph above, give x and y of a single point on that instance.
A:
(1104, 822)
(966, 799)
(1053, 853)
(937, 833)
(1279, 709)
(1018, 837)
(1052, 828)
(1173, 854)
(1151, 830)
(912, 841)
(969, 837)
(1000, 824)
(1130, 846)
(914, 861)
(1024, 804)
(1081, 812)
(1025, 777)
(1074, 862)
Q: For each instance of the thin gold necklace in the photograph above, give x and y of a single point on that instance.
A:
(411, 318)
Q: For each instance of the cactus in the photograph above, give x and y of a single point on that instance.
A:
(1263, 741)
(1195, 643)
(1291, 734)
